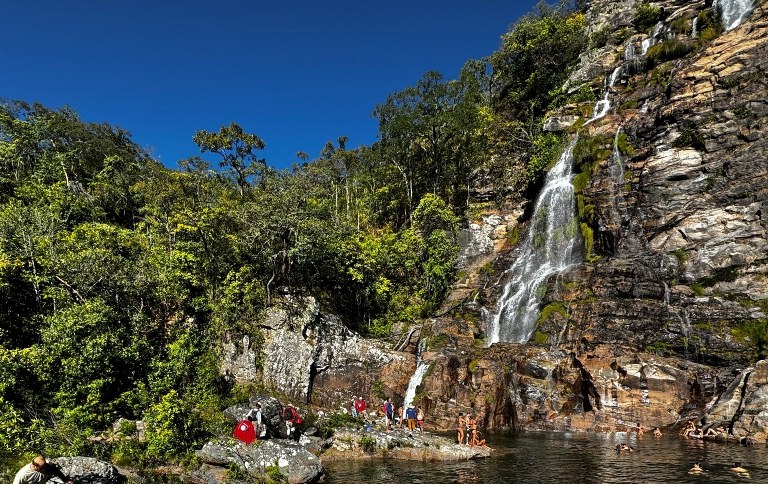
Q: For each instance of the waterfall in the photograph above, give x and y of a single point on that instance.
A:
(414, 383)
(695, 25)
(652, 39)
(602, 106)
(553, 245)
(734, 12)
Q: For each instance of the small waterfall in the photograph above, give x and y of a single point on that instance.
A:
(617, 181)
(553, 245)
(653, 39)
(415, 381)
(694, 30)
(604, 105)
(734, 12)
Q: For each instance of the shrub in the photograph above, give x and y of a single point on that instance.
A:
(368, 444)
(666, 51)
(599, 38)
(646, 16)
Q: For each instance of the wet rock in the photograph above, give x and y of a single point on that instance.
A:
(400, 444)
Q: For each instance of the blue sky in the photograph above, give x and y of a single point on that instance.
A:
(296, 73)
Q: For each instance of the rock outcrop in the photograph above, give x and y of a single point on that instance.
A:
(656, 325)
(293, 461)
(87, 470)
(311, 356)
(401, 445)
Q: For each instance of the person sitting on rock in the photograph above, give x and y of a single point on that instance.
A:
(716, 432)
(461, 423)
(40, 471)
(689, 427)
(476, 440)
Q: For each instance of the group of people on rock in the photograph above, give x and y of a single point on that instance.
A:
(693, 431)
(254, 426)
(412, 417)
(466, 430)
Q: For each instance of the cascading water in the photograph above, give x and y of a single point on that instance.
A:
(553, 245)
(617, 182)
(603, 105)
(415, 381)
(417, 377)
(652, 39)
(734, 12)
(694, 28)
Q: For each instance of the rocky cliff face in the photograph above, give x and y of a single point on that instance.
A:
(662, 323)
(656, 325)
(310, 356)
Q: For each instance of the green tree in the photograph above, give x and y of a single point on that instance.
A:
(237, 150)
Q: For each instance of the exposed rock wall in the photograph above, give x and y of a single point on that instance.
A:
(652, 329)
(311, 356)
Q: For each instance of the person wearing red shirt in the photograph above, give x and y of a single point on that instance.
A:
(360, 405)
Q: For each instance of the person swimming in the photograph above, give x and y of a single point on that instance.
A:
(696, 469)
(740, 471)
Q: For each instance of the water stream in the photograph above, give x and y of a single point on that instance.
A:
(734, 12)
(414, 383)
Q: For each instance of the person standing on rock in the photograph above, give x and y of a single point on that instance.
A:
(292, 421)
(471, 428)
(410, 415)
(353, 407)
(388, 411)
(461, 422)
(420, 418)
(39, 471)
(256, 418)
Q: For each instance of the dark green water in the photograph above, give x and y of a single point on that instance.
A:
(534, 457)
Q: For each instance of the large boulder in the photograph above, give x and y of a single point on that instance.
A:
(743, 407)
(87, 470)
(292, 459)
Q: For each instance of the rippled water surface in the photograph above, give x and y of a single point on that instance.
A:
(570, 457)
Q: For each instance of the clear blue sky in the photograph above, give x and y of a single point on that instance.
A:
(296, 73)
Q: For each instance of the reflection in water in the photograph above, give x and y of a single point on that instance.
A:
(570, 457)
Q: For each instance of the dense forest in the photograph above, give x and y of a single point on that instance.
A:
(119, 277)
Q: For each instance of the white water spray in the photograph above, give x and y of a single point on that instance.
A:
(604, 105)
(415, 381)
(653, 39)
(553, 245)
(734, 12)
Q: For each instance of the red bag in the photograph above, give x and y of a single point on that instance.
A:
(244, 432)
